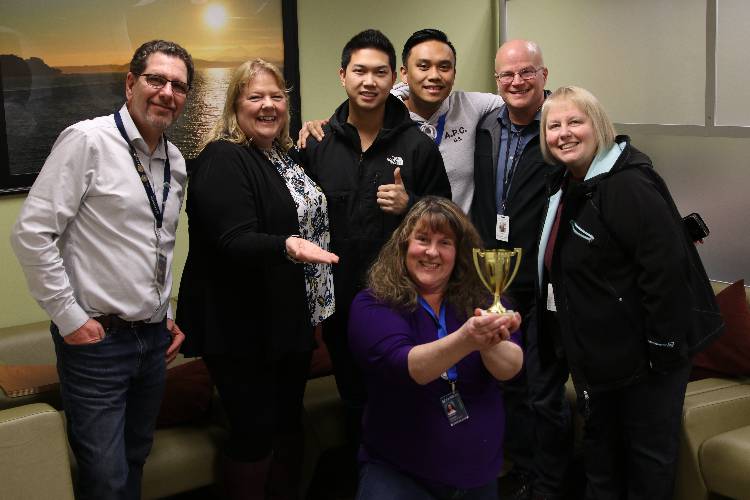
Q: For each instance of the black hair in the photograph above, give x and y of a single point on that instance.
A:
(368, 39)
(422, 36)
(142, 53)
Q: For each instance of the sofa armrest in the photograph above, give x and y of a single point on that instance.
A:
(707, 413)
(34, 460)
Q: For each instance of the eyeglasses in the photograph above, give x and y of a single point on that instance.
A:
(158, 82)
(527, 74)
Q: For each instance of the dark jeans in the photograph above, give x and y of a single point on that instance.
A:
(631, 439)
(539, 431)
(112, 392)
(262, 400)
(378, 482)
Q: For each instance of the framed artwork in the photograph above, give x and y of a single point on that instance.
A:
(62, 62)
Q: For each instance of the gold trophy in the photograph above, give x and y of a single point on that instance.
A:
(496, 269)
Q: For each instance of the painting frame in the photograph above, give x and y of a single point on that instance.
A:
(15, 183)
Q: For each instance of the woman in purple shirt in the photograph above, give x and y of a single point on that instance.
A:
(433, 426)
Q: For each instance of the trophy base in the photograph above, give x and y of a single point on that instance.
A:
(498, 309)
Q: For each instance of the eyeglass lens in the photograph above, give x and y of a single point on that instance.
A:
(158, 81)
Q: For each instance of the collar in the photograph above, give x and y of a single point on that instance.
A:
(443, 109)
(504, 117)
(137, 139)
(605, 160)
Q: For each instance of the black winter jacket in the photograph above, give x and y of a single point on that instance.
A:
(630, 291)
(524, 204)
(350, 179)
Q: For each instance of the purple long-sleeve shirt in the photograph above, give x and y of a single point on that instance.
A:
(404, 424)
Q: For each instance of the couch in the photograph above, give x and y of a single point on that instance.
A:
(714, 461)
(714, 455)
(183, 458)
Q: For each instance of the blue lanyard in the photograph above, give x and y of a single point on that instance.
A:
(158, 213)
(442, 332)
(440, 129)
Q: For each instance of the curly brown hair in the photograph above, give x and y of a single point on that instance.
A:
(389, 279)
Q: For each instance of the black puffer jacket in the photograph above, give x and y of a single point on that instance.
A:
(350, 179)
(629, 287)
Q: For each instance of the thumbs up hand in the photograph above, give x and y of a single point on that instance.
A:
(392, 198)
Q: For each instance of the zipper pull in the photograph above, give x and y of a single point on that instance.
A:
(586, 405)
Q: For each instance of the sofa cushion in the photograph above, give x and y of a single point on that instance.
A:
(725, 462)
(729, 355)
(34, 460)
(187, 395)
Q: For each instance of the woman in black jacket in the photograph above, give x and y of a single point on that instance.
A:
(256, 281)
(625, 295)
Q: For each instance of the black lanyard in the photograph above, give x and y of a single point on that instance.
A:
(158, 213)
(510, 170)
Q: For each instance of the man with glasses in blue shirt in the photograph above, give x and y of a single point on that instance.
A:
(509, 196)
(95, 238)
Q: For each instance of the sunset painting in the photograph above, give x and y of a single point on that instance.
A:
(62, 62)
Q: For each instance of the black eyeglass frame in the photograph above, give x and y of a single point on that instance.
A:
(178, 86)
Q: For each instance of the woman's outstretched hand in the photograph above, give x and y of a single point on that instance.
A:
(301, 250)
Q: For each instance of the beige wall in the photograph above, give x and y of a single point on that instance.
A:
(707, 174)
(16, 305)
(324, 28)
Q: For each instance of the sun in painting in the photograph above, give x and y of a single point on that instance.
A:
(215, 16)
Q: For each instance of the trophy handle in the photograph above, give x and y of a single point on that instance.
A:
(476, 253)
(518, 252)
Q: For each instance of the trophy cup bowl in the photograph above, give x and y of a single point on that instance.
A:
(497, 268)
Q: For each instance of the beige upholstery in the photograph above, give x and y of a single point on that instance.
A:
(725, 461)
(715, 430)
(182, 458)
(34, 454)
(719, 407)
(714, 453)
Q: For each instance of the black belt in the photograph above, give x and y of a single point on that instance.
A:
(111, 320)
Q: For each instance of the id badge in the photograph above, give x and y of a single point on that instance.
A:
(161, 269)
(551, 298)
(502, 228)
(454, 409)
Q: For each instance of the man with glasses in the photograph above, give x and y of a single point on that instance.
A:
(509, 196)
(95, 238)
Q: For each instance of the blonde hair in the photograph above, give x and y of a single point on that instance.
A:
(226, 127)
(389, 278)
(590, 106)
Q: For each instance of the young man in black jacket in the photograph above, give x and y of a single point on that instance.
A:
(373, 164)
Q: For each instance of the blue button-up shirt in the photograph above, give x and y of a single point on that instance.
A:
(513, 140)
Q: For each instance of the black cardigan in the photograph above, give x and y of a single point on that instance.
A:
(239, 293)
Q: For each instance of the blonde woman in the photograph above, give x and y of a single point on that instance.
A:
(624, 290)
(256, 281)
